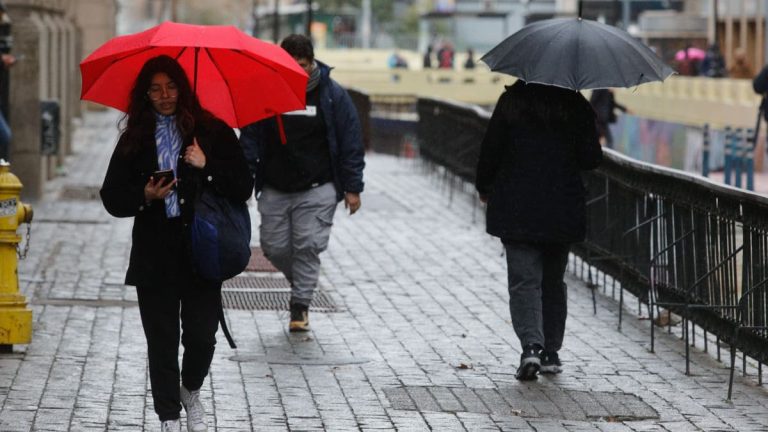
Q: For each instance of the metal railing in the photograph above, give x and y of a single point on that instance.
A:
(674, 240)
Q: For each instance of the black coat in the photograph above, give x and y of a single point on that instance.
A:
(532, 177)
(605, 105)
(123, 194)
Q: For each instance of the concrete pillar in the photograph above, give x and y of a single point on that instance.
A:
(51, 83)
(73, 58)
(54, 90)
(27, 86)
(64, 94)
(728, 48)
(759, 23)
(95, 22)
(45, 34)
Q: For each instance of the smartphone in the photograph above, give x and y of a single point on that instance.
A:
(163, 176)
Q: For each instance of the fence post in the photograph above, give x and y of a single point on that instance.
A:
(750, 160)
(739, 145)
(705, 152)
(728, 157)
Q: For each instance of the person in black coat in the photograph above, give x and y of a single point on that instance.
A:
(760, 86)
(167, 129)
(538, 140)
(605, 106)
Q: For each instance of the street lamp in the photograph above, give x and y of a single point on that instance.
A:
(276, 22)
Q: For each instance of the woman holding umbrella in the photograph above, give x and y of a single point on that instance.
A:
(167, 129)
(538, 140)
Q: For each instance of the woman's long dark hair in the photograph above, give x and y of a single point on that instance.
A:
(546, 107)
(140, 120)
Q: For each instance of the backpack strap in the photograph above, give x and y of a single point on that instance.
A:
(223, 322)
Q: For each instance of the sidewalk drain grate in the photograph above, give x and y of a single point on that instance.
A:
(256, 282)
(80, 192)
(258, 262)
(272, 300)
(533, 401)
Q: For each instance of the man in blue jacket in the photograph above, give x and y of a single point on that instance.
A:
(304, 163)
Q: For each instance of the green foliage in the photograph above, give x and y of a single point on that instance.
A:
(409, 23)
(381, 10)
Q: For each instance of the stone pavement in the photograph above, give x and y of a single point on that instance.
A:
(420, 339)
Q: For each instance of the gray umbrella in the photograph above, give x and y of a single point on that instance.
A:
(577, 54)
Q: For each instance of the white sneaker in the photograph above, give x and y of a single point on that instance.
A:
(195, 410)
(171, 426)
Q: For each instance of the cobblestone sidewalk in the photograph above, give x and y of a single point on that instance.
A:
(418, 337)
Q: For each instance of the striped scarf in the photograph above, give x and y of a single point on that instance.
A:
(168, 140)
(314, 77)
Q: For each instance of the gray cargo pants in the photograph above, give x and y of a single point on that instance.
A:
(538, 301)
(294, 230)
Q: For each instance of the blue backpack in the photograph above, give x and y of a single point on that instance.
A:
(221, 236)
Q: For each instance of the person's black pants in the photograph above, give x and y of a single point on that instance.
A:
(159, 308)
(538, 296)
(197, 303)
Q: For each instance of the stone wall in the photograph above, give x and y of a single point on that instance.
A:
(50, 38)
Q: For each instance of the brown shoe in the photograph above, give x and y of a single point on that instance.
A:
(299, 318)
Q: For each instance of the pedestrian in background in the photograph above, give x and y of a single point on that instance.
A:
(760, 86)
(470, 62)
(445, 56)
(605, 106)
(397, 61)
(687, 65)
(167, 129)
(538, 141)
(427, 60)
(8, 60)
(713, 63)
(741, 68)
(301, 176)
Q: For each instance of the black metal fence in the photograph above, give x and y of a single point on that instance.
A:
(676, 241)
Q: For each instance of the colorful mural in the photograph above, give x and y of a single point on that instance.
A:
(672, 145)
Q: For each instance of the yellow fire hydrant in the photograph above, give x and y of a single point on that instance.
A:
(15, 317)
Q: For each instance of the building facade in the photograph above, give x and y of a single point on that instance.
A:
(49, 39)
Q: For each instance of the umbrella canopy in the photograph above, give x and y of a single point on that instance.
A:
(693, 54)
(577, 54)
(238, 78)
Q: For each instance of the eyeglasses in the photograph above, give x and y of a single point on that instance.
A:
(157, 92)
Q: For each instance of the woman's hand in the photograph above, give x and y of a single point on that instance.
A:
(194, 155)
(156, 189)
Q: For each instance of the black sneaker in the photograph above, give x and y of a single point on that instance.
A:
(299, 318)
(530, 363)
(550, 363)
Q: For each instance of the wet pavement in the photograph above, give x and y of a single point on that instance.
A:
(414, 333)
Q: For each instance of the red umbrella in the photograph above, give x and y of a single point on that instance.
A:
(238, 78)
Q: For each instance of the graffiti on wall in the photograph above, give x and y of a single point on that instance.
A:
(668, 144)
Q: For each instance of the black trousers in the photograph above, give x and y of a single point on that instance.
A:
(197, 303)
(538, 297)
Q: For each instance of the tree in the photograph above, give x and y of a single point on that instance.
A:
(381, 10)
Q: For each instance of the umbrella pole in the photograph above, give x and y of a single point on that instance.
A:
(194, 85)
